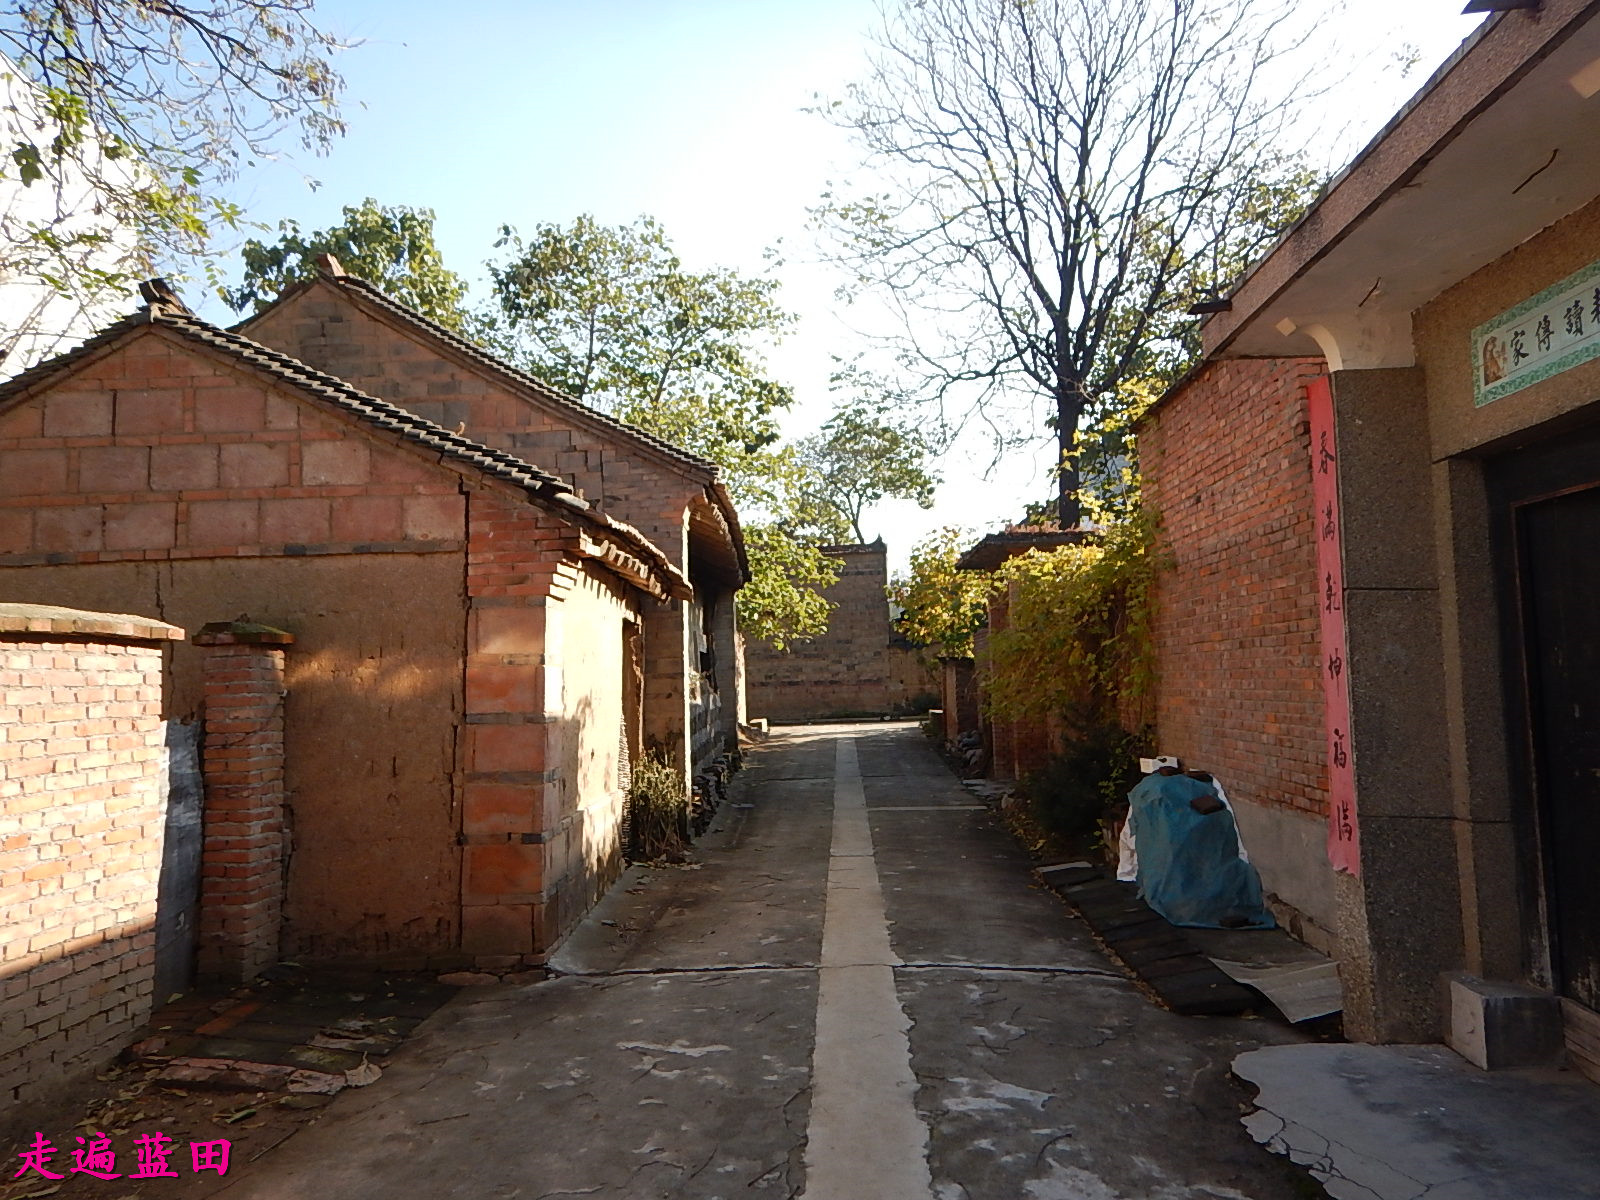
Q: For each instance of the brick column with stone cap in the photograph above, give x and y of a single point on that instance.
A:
(242, 863)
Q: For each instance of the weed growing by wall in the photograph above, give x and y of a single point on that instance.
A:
(658, 809)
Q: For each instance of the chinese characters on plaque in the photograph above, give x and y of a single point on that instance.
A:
(1344, 839)
(1550, 333)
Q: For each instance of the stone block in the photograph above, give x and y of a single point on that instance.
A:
(1500, 1025)
(334, 463)
(497, 929)
(229, 409)
(434, 518)
(34, 473)
(254, 465)
(191, 466)
(113, 468)
(68, 528)
(149, 410)
(77, 414)
(150, 526)
(219, 523)
(504, 870)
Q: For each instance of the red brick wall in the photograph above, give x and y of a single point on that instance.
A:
(241, 881)
(82, 812)
(1226, 464)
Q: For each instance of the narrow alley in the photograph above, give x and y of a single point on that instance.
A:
(856, 992)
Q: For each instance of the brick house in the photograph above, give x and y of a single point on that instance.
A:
(1381, 488)
(861, 666)
(693, 672)
(419, 661)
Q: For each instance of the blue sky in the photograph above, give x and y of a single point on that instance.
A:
(691, 111)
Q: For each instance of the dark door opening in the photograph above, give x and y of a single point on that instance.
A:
(1558, 555)
(1545, 507)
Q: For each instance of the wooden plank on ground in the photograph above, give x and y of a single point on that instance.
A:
(1154, 950)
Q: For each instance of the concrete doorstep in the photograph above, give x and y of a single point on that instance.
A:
(1403, 1122)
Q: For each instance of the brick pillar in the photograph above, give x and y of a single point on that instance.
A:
(241, 864)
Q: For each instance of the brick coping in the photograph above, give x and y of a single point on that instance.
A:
(78, 622)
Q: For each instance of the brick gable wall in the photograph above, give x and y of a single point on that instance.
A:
(322, 327)
(154, 452)
(1226, 464)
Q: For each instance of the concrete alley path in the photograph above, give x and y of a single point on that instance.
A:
(856, 993)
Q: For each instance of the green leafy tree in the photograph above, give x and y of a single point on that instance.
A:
(611, 315)
(1055, 176)
(942, 605)
(783, 602)
(392, 247)
(137, 115)
(1079, 635)
(857, 459)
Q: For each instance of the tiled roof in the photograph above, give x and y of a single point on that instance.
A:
(539, 484)
(996, 548)
(375, 295)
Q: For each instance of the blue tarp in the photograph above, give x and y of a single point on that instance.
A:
(1189, 866)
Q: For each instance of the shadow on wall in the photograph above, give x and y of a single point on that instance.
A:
(68, 1010)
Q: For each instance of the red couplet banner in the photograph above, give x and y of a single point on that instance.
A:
(1344, 834)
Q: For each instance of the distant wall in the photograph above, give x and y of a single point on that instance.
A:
(855, 669)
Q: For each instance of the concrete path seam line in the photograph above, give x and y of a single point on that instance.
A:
(864, 1137)
(956, 808)
(1092, 972)
(718, 969)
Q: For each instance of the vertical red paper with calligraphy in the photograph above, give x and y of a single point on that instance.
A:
(1344, 836)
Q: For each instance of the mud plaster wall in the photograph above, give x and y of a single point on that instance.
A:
(584, 634)
(374, 697)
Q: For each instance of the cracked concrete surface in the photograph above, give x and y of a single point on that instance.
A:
(1408, 1122)
(673, 1053)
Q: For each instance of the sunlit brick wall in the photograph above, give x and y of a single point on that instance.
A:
(82, 813)
(1227, 466)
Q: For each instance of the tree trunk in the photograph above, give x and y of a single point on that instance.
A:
(1069, 409)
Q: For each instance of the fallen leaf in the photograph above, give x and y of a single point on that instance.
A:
(233, 1117)
(364, 1074)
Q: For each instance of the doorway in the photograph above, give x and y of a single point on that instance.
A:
(1558, 542)
(1547, 507)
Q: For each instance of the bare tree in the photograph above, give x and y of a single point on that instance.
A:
(1063, 175)
(120, 122)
